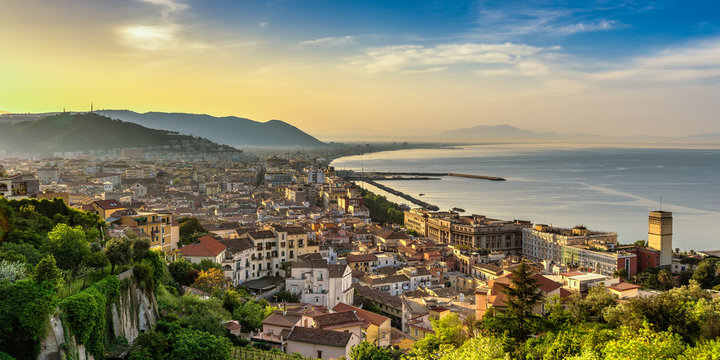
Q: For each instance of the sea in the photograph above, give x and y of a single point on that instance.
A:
(602, 188)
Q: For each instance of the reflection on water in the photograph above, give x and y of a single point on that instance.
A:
(609, 189)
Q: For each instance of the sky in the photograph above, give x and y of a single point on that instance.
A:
(362, 69)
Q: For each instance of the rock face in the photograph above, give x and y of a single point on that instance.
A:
(135, 311)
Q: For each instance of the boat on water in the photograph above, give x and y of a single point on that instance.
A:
(458, 209)
(421, 194)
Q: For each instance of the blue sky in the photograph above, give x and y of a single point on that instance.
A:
(333, 67)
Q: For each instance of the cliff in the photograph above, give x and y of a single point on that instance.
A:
(134, 310)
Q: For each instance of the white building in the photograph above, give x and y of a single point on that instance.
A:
(320, 283)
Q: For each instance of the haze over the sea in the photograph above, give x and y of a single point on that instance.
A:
(606, 189)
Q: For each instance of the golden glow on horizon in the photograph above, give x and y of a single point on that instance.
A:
(125, 59)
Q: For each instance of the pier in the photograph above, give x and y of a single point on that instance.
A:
(403, 195)
(383, 175)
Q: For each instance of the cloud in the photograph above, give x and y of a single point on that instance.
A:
(169, 5)
(512, 23)
(263, 24)
(418, 58)
(330, 41)
(686, 63)
(602, 25)
(155, 37)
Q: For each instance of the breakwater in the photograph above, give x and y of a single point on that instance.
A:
(403, 195)
(385, 175)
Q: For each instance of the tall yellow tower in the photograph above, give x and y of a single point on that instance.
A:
(660, 224)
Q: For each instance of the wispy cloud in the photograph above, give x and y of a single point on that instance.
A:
(168, 5)
(418, 58)
(686, 63)
(154, 37)
(602, 25)
(330, 41)
(513, 23)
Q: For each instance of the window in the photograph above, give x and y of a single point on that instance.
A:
(319, 354)
(293, 290)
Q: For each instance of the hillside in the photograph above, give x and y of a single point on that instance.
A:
(81, 132)
(228, 130)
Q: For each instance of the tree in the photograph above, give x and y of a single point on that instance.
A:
(367, 351)
(194, 344)
(12, 250)
(666, 279)
(250, 316)
(140, 248)
(448, 332)
(47, 270)
(12, 271)
(211, 280)
(621, 273)
(190, 230)
(644, 344)
(523, 295)
(68, 245)
(118, 251)
(706, 273)
(179, 270)
(97, 260)
(477, 348)
(232, 300)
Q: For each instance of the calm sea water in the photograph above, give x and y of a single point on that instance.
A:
(606, 189)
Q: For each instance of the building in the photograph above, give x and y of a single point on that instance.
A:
(205, 248)
(660, 229)
(474, 232)
(598, 260)
(19, 186)
(156, 226)
(320, 343)
(543, 242)
(237, 260)
(106, 208)
(376, 328)
(320, 283)
(363, 262)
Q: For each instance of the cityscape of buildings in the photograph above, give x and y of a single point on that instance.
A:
(292, 223)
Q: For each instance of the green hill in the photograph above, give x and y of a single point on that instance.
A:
(82, 132)
(228, 130)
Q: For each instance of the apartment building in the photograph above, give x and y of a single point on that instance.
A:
(320, 283)
(543, 242)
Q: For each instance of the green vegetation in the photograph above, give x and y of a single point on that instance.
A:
(190, 230)
(367, 351)
(80, 132)
(382, 210)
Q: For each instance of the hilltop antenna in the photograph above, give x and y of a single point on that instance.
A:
(660, 202)
(91, 107)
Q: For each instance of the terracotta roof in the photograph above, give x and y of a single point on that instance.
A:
(204, 246)
(370, 317)
(623, 286)
(361, 258)
(278, 319)
(233, 326)
(237, 245)
(108, 204)
(344, 318)
(319, 336)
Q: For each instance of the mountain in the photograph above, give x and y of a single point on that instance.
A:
(489, 132)
(228, 130)
(83, 132)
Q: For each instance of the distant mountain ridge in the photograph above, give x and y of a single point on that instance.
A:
(502, 131)
(230, 130)
(84, 132)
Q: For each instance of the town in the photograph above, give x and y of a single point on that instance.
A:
(336, 265)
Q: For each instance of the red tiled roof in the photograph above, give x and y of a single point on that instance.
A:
(204, 246)
(623, 286)
(361, 258)
(370, 317)
(109, 204)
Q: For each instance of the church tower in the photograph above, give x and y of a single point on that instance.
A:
(660, 224)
